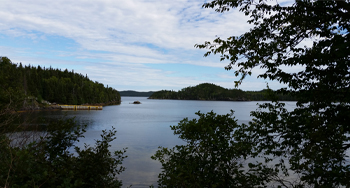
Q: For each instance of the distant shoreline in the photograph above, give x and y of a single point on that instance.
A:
(131, 93)
(57, 107)
(223, 100)
(212, 92)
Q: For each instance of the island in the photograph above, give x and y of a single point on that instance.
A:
(212, 92)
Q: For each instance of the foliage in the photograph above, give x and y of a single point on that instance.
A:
(306, 147)
(49, 157)
(214, 155)
(131, 93)
(207, 91)
(54, 85)
(50, 162)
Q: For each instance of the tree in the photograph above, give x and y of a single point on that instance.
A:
(44, 154)
(49, 161)
(309, 146)
(213, 157)
(54, 85)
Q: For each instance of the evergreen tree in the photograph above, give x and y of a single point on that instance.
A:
(58, 86)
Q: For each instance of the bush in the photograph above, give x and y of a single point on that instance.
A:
(49, 162)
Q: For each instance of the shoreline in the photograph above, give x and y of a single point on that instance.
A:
(56, 107)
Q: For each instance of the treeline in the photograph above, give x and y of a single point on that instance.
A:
(131, 93)
(53, 85)
(207, 91)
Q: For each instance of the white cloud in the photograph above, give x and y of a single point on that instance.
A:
(128, 34)
(136, 75)
(167, 24)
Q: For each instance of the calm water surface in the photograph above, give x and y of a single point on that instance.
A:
(143, 127)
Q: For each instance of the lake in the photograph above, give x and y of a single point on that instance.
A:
(142, 128)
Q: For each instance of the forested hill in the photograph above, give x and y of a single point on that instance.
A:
(53, 85)
(131, 93)
(207, 91)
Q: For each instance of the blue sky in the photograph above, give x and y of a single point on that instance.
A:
(142, 45)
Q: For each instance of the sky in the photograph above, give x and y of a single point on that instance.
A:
(142, 45)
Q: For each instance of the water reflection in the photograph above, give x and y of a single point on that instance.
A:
(144, 127)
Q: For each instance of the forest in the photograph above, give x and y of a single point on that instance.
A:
(53, 85)
(131, 93)
(39, 152)
(208, 91)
